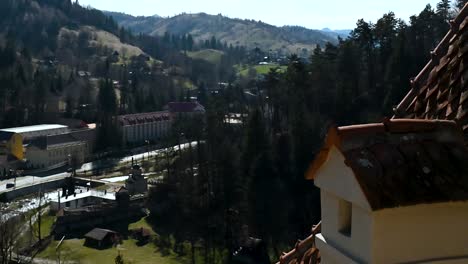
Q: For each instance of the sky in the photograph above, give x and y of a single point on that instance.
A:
(315, 14)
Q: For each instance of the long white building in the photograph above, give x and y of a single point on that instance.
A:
(55, 151)
(46, 146)
(30, 132)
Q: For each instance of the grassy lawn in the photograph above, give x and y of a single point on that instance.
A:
(141, 223)
(73, 250)
(260, 69)
(27, 235)
(113, 42)
(210, 55)
(186, 84)
(264, 69)
(46, 225)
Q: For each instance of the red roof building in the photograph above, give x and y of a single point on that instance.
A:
(144, 127)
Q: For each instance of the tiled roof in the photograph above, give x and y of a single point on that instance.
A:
(304, 252)
(99, 234)
(26, 129)
(402, 162)
(142, 118)
(440, 89)
(185, 107)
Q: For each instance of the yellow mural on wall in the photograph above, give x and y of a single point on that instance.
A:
(15, 146)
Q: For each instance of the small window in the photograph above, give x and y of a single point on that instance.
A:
(344, 217)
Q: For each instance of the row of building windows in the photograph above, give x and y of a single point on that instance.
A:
(150, 130)
(57, 156)
(63, 151)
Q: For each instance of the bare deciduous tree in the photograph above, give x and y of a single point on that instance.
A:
(9, 233)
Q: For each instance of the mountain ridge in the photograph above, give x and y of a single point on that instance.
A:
(234, 31)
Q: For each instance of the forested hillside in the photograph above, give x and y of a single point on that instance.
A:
(249, 33)
(253, 174)
(58, 59)
(57, 51)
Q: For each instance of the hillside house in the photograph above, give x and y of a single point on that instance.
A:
(55, 104)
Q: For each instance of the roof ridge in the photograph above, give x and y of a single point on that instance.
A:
(435, 57)
(145, 113)
(399, 125)
(301, 247)
(351, 137)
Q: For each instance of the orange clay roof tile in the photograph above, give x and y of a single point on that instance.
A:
(440, 89)
(403, 162)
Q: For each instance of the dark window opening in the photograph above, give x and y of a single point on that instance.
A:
(344, 217)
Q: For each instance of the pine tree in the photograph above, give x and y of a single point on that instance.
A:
(443, 9)
(459, 4)
(107, 100)
(213, 43)
(190, 42)
(108, 134)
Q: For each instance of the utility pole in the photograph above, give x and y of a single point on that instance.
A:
(167, 162)
(15, 179)
(147, 148)
(57, 249)
(58, 194)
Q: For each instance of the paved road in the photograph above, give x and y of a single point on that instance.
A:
(30, 180)
(137, 157)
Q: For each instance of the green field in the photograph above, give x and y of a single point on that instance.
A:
(210, 55)
(73, 250)
(186, 84)
(260, 69)
(141, 223)
(46, 224)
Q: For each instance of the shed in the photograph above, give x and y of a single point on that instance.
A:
(101, 238)
(143, 235)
